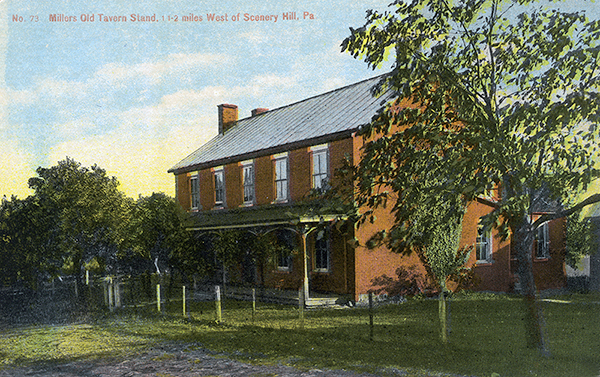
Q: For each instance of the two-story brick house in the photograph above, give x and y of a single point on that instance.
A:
(256, 172)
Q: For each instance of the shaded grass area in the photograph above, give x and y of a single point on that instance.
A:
(487, 336)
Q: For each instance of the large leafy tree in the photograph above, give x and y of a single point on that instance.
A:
(490, 94)
(28, 242)
(84, 211)
(157, 233)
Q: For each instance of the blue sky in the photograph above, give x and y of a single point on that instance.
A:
(137, 97)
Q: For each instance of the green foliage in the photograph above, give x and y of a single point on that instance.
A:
(580, 239)
(442, 254)
(487, 94)
(78, 218)
(490, 100)
(85, 212)
(157, 237)
(28, 242)
(262, 248)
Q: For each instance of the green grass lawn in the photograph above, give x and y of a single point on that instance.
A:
(487, 336)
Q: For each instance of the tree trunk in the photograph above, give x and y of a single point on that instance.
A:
(524, 237)
(443, 316)
(79, 287)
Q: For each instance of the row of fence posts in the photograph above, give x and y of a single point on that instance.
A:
(218, 306)
(112, 294)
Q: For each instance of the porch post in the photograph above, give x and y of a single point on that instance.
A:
(305, 287)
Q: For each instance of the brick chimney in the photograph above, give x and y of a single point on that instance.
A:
(228, 115)
(259, 111)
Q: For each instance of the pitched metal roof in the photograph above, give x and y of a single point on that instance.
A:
(312, 121)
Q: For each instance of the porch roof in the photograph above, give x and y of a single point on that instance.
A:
(261, 216)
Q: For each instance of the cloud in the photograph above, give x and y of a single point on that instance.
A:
(112, 77)
(116, 74)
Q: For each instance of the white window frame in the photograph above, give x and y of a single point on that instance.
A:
(320, 167)
(194, 192)
(248, 180)
(282, 190)
(483, 241)
(219, 181)
(542, 241)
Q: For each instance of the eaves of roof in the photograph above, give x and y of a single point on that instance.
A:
(323, 118)
(264, 152)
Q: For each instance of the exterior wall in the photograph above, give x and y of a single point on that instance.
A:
(183, 194)
(300, 178)
(234, 189)
(264, 180)
(550, 273)
(377, 266)
(338, 151)
(339, 279)
(300, 169)
(494, 275)
(207, 189)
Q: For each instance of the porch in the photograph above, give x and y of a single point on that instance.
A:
(278, 283)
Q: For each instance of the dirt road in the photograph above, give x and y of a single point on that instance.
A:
(168, 361)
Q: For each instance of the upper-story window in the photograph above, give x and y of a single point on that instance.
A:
(248, 181)
(542, 242)
(195, 192)
(320, 170)
(281, 177)
(483, 245)
(219, 186)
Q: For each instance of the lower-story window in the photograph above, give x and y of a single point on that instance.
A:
(322, 252)
(284, 260)
(483, 245)
(542, 242)
(286, 244)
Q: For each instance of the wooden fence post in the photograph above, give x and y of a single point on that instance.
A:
(158, 298)
(301, 306)
(183, 294)
(371, 316)
(218, 303)
(111, 297)
(105, 290)
(117, 290)
(253, 304)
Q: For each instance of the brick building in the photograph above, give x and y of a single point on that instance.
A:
(255, 174)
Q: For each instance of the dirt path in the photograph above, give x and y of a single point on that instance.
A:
(168, 361)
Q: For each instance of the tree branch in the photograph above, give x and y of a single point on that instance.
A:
(553, 216)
